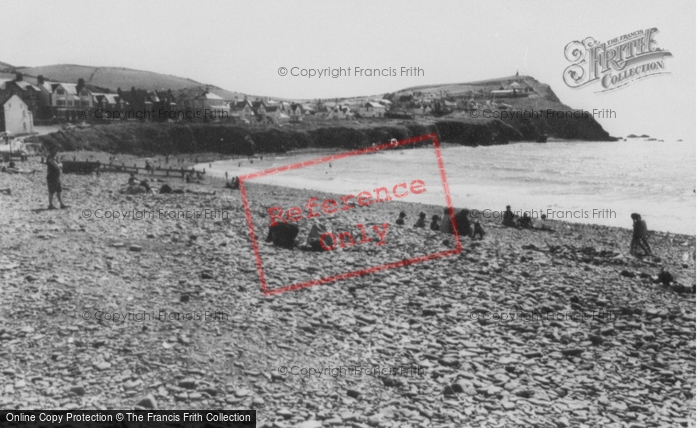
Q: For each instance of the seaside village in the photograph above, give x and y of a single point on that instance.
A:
(28, 101)
(532, 317)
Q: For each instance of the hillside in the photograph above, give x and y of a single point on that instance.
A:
(485, 86)
(111, 78)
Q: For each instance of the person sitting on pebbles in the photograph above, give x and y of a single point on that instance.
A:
(525, 221)
(463, 223)
(539, 224)
(421, 221)
(509, 218)
(435, 223)
(446, 223)
(400, 221)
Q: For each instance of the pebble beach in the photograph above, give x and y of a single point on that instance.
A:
(522, 328)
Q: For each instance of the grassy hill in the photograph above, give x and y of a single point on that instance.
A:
(111, 78)
(541, 95)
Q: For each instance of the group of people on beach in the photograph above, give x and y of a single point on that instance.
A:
(444, 224)
(639, 228)
(525, 221)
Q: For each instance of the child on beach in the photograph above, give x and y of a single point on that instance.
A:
(446, 223)
(435, 223)
(53, 178)
(478, 230)
(421, 220)
(400, 220)
(639, 235)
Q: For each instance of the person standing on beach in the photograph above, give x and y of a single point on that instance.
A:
(53, 178)
(639, 235)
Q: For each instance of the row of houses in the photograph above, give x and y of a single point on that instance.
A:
(275, 112)
(69, 101)
(50, 100)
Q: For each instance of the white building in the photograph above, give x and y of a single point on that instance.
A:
(15, 116)
(372, 109)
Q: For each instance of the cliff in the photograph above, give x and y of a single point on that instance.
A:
(164, 138)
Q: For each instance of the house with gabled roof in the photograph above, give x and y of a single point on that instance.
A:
(15, 116)
(341, 112)
(275, 114)
(24, 90)
(259, 108)
(309, 109)
(109, 102)
(296, 112)
(203, 106)
(69, 100)
(372, 109)
(242, 110)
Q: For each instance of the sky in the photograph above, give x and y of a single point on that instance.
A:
(240, 46)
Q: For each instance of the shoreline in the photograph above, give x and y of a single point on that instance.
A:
(214, 172)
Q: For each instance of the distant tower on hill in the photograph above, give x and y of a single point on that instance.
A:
(517, 73)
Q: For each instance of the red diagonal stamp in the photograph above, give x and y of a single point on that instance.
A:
(362, 239)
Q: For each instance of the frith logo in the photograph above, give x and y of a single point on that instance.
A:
(615, 63)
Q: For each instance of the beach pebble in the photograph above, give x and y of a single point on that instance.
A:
(148, 402)
(187, 383)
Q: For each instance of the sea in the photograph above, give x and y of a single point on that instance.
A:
(584, 182)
